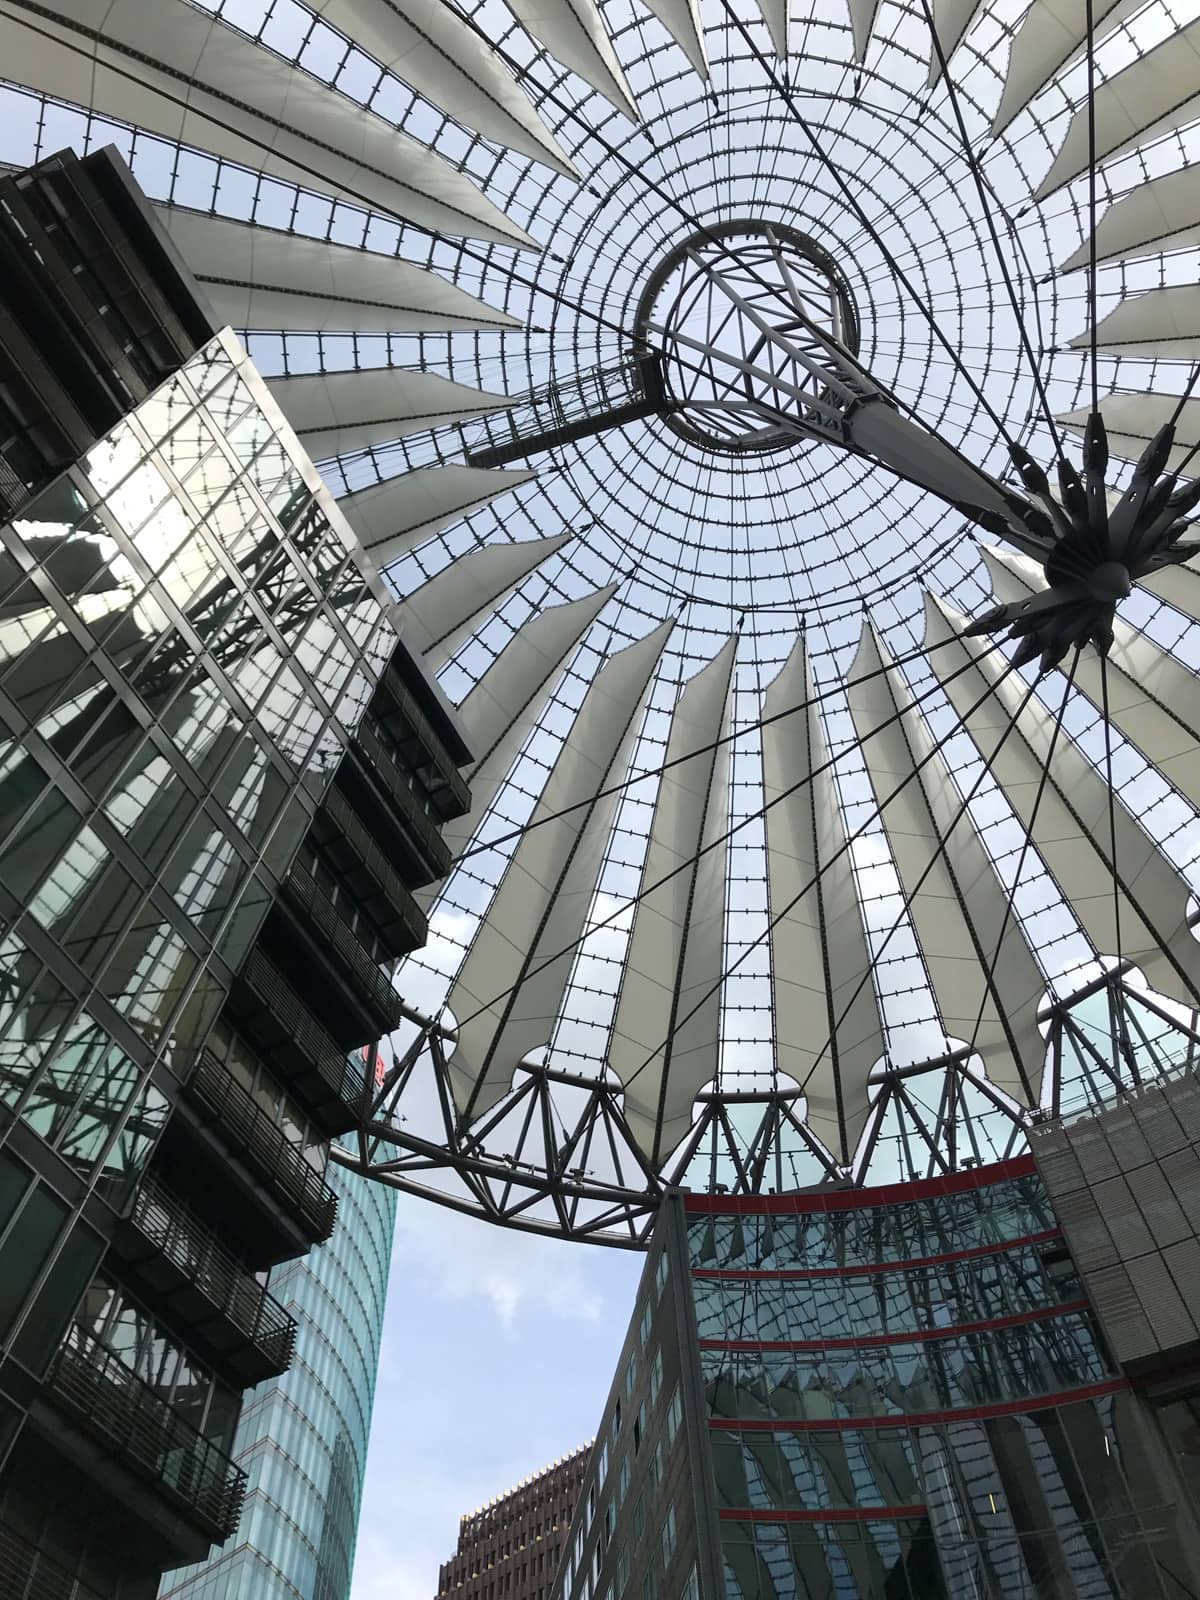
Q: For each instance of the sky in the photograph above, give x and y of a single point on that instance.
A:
(498, 1352)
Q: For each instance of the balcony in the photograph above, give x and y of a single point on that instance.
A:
(93, 1387)
(273, 1017)
(350, 851)
(397, 708)
(335, 941)
(27, 1574)
(181, 1263)
(246, 1129)
(429, 854)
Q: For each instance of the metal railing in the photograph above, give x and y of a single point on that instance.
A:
(343, 815)
(306, 894)
(392, 777)
(248, 1129)
(91, 1383)
(305, 1035)
(26, 1573)
(168, 1224)
(431, 747)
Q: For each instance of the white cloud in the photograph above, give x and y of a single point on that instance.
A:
(514, 1272)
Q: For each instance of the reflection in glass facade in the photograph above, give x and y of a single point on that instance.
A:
(1023, 1468)
(897, 1393)
(302, 1439)
(189, 637)
(184, 640)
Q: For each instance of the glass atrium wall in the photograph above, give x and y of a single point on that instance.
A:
(908, 1395)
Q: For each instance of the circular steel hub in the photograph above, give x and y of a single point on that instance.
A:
(712, 308)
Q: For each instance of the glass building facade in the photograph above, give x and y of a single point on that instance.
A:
(878, 1394)
(302, 1439)
(221, 776)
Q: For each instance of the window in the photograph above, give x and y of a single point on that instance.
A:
(631, 1373)
(656, 1373)
(660, 1273)
(668, 1536)
(639, 1427)
(591, 1504)
(622, 1571)
(639, 1517)
(691, 1589)
(623, 1480)
(674, 1415)
(649, 1588)
(616, 1418)
(646, 1324)
(602, 1465)
(610, 1521)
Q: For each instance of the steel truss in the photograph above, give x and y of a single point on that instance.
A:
(557, 1156)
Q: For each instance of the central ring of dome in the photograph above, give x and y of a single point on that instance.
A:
(732, 309)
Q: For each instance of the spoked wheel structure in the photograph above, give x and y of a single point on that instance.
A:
(778, 427)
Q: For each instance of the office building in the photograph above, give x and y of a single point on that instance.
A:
(222, 774)
(900, 1392)
(511, 1548)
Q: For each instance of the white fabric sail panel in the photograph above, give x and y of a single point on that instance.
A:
(398, 514)
(172, 69)
(503, 708)
(265, 279)
(574, 33)
(510, 987)
(862, 21)
(1161, 322)
(951, 19)
(1152, 694)
(429, 46)
(775, 15)
(1132, 420)
(1071, 831)
(457, 597)
(676, 945)
(1152, 96)
(338, 412)
(1051, 33)
(682, 20)
(956, 898)
(828, 1031)
(1178, 586)
(1163, 214)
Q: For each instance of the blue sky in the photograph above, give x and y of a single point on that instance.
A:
(497, 1355)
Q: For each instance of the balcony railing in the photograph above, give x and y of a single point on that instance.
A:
(346, 843)
(341, 942)
(246, 1128)
(449, 789)
(26, 1573)
(392, 778)
(92, 1385)
(202, 1279)
(273, 1015)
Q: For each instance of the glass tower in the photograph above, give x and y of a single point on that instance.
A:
(302, 1440)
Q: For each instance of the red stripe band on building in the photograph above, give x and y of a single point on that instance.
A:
(919, 1419)
(913, 1336)
(904, 1265)
(888, 1194)
(838, 1514)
